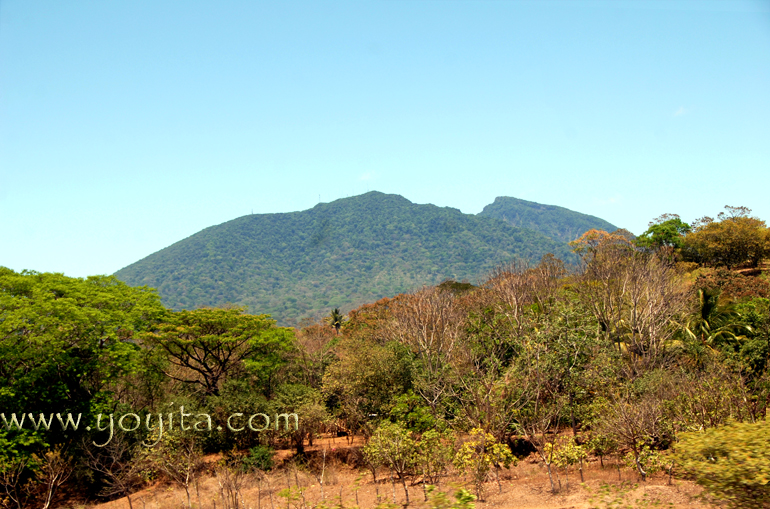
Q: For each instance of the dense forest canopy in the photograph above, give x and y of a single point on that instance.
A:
(556, 222)
(298, 265)
(653, 348)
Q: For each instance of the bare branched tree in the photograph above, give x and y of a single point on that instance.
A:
(312, 352)
(657, 298)
(232, 479)
(179, 459)
(518, 286)
(16, 482)
(637, 298)
(635, 424)
(431, 323)
(120, 465)
(55, 469)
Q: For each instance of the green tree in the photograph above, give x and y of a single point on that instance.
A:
(393, 446)
(307, 403)
(410, 410)
(66, 344)
(207, 346)
(666, 231)
(434, 453)
(555, 369)
(365, 379)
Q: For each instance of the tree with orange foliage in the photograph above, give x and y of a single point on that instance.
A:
(367, 319)
(592, 240)
(734, 239)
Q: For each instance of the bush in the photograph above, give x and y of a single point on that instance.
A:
(259, 458)
(732, 462)
(733, 285)
(479, 454)
(440, 500)
(434, 454)
(392, 446)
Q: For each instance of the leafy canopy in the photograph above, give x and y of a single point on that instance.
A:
(207, 345)
(66, 343)
(666, 231)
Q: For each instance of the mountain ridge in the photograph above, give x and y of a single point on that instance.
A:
(556, 222)
(296, 265)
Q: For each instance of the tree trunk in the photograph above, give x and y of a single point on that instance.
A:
(550, 477)
(270, 491)
(296, 479)
(639, 467)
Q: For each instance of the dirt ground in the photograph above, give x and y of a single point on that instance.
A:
(348, 484)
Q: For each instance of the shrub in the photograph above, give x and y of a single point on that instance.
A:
(259, 458)
(733, 284)
(732, 462)
(479, 454)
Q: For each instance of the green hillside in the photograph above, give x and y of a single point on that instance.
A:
(340, 254)
(557, 223)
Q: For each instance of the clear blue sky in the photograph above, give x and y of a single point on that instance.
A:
(127, 126)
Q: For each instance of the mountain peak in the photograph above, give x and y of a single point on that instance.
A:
(559, 223)
(509, 200)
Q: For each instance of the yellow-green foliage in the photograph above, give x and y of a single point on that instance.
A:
(732, 462)
(651, 460)
(613, 496)
(440, 500)
(434, 453)
(478, 455)
(393, 446)
(567, 453)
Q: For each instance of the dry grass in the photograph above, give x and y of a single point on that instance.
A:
(347, 484)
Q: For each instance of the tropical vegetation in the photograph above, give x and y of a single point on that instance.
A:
(652, 350)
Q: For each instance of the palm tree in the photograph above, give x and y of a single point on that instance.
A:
(713, 324)
(336, 319)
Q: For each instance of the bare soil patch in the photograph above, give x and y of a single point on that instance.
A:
(348, 484)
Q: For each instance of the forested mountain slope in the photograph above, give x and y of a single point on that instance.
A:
(340, 254)
(560, 224)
